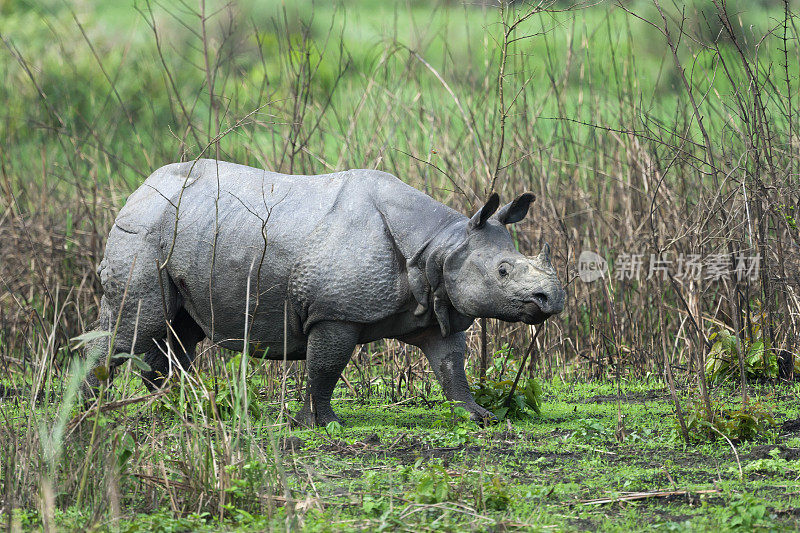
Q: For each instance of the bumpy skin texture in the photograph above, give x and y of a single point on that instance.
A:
(350, 257)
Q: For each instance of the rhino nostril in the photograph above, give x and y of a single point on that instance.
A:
(541, 299)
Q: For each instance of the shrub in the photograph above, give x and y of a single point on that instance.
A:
(746, 423)
(492, 395)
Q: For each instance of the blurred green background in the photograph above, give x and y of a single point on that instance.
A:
(100, 82)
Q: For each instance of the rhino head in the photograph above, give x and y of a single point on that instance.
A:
(485, 276)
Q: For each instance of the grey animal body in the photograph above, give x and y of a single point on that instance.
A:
(332, 261)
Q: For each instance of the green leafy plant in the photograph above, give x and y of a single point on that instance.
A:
(164, 522)
(334, 429)
(246, 481)
(226, 404)
(231, 396)
(496, 495)
(723, 359)
(745, 513)
(124, 452)
(459, 433)
(374, 505)
(742, 424)
(492, 395)
(432, 485)
(493, 392)
(591, 430)
(642, 435)
(788, 215)
(774, 464)
(760, 360)
(376, 500)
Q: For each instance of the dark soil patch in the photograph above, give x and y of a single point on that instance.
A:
(791, 426)
(691, 499)
(406, 449)
(292, 444)
(763, 452)
(351, 473)
(556, 420)
(771, 490)
(583, 524)
(535, 454)
(373, 439)
(690, 459)
(666, 516)
(695, 476)
(7, 392)
(648, 396)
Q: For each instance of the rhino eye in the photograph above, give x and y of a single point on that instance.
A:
(503, 270)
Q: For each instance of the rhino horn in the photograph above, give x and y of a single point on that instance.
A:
(544, 255)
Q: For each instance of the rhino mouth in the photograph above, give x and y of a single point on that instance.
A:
(532, 313)
(542, 304)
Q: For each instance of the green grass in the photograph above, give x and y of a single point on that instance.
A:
(409, 467)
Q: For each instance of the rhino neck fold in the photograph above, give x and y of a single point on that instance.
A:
(426, 276)
(424, 232)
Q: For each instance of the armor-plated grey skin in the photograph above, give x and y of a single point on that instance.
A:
(352, 257)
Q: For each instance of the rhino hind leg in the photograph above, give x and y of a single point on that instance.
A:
(330, 346)
(188, 334)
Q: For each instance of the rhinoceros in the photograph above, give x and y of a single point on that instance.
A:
(307, 267)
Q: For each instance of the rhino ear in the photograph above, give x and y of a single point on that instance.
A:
(479, 219)
(516, 210)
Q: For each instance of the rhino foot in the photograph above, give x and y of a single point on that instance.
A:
(481, 416)
(306, 418)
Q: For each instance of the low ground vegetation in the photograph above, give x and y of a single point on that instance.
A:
(599, 457)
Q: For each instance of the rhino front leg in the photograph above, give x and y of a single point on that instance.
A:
(330, 345)
(446, 357)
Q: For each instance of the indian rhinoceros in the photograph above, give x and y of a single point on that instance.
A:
(332, 260)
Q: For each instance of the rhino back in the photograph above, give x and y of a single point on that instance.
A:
(319, 240)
